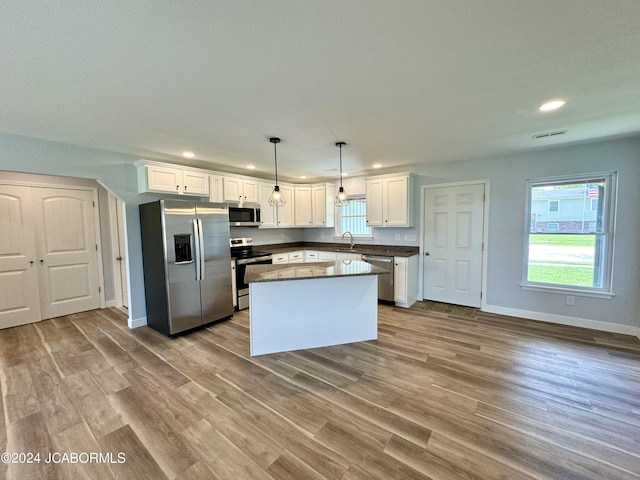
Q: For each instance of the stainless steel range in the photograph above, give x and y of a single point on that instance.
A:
(243, 254)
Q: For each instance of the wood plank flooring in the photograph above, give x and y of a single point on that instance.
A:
(438, 395)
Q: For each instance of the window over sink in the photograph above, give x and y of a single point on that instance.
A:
(353, 218)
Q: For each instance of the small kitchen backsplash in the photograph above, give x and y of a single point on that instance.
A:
(381, 236)
(267, 236)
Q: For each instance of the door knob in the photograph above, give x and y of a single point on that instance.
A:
(426, 254)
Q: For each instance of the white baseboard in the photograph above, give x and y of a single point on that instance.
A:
(110, 303)
(563, 320)
(137, 322)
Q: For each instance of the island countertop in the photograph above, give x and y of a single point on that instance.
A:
(299, 271)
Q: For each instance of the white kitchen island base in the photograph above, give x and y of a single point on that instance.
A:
(315, 312)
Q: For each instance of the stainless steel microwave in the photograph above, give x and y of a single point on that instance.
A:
(244, 215)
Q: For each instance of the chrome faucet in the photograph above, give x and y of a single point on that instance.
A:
(351, 245)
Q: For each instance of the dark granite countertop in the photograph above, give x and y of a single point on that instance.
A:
(390, 250)
(299, 271)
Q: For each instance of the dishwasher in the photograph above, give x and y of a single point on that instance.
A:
(385, 282)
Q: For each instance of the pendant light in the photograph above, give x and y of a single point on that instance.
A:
(276, 199)
(341, 198)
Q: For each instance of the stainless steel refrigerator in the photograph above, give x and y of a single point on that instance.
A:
(187, 264)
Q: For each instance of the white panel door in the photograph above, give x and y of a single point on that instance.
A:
(19, 299)
(67, 253)
(453, 244)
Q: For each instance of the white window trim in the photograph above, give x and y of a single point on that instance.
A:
(336, 228)
(610, 200)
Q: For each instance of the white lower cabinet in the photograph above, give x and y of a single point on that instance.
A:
(405, 281)
(311, 256)
(280, 258)
(296, 257)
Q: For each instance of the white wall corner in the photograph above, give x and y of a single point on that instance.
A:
(137, 322)
(563, 320)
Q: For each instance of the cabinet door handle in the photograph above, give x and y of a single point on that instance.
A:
(426, 254)
(177, 187)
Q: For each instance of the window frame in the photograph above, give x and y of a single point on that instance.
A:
(338, 216)
(608, 232)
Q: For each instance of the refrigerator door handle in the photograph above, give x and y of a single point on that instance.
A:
(201, 241)
(196, 239)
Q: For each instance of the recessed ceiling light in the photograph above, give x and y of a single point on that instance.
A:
(251, 167)
(188, 154)
(345, 174)
(551, 105)
(303, 176)
(376, 165)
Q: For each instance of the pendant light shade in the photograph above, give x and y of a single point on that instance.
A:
(341, 197)
(276, 199)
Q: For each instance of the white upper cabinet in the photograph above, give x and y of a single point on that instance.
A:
(215, 189)
(322, 205)
(271, 217)
(195, 183)
(285, 214)
(303, 211)
(240, 190)
(268, 214)
(389, 201)
(374, 203)
(159, 178)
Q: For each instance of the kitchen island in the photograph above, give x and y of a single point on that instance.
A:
(308, 305)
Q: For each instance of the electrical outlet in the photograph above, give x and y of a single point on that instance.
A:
(571, 300)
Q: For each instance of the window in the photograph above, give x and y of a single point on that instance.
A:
(353, 218)
(574, 251)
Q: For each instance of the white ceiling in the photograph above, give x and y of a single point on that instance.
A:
(403, 82)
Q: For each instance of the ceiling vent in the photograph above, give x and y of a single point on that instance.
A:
(548, 134)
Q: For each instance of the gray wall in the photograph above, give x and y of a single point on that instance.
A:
(507, 176)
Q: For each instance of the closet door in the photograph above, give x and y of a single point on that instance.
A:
(67, 250)
(19, 299)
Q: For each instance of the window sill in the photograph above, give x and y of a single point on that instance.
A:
(567, 291)
(355, 237)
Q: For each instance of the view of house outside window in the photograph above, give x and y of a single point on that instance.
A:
(353, 218)
(570, 232)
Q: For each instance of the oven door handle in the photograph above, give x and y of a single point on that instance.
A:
(246, 261)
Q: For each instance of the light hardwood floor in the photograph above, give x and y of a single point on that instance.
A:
(438, 395)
